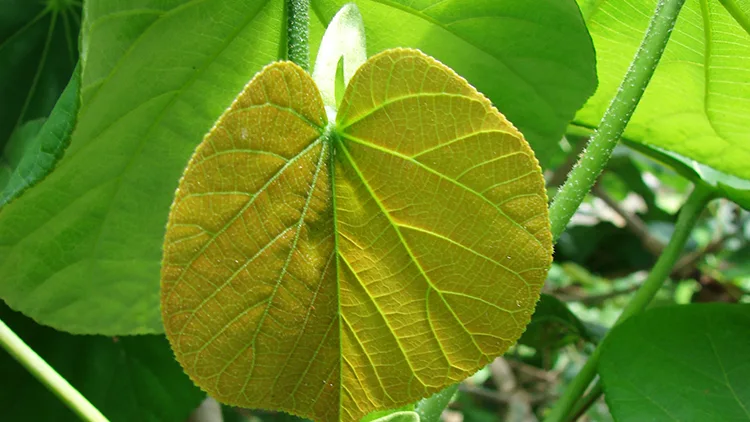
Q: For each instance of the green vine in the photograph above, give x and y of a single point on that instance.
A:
(42, 371)
(597, 153)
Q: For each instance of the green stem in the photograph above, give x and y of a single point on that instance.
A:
(44, 373)
(612, 125)
(431, 408)
(587, 401)
(298, 43)
(689, 214)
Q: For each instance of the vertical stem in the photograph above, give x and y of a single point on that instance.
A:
(298, 43)
(612, 125)
(47, 375)
(689, 214)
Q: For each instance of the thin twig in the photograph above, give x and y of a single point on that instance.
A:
(632, 222)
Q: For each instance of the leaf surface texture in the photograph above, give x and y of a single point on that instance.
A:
(329, 270)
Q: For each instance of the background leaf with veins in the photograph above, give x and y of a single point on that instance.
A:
(81, 250)
(330, 270)
(533, 59)
(679, 363)
(697, 102)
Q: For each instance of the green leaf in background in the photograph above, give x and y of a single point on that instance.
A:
(127, 378)
(533, 59)
(333, 269)
(38, 49)
(697, 102)
(16, 148)
(82, 250)
(679, 363)
(379, 414)
(42, 151)
(399, 417)
(552, 326)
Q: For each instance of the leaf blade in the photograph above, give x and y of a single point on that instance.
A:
(695, 104)
(641, 386)
(108, 198)
(290, 296)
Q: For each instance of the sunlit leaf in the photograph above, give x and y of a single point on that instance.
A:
(679, 363)
(697, 102)
(329, 270)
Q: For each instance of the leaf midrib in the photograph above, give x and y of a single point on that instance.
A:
(411, 256)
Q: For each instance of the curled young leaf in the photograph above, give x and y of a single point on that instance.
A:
(332, 269)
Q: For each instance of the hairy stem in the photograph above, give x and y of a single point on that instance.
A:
(612, 126)
(689, 214)
(298, 43)
(48, 376)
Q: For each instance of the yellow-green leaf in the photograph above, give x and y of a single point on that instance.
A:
(329, 270)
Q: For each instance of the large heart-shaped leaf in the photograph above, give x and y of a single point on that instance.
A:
(329, 270)
(698, 102)
(533, 59)
(679, 363)
(81, 250)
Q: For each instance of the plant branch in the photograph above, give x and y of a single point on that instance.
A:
(617, 116)
(587, 401)
(297, 36)
(594, 300)
(688, 262)
(632, 222)
(42, 371)
(689, 214)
